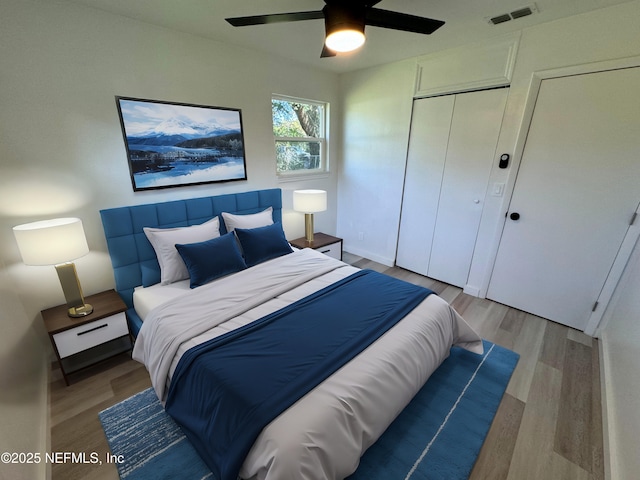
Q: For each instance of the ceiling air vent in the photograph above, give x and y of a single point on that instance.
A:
(519, 13)
(523, 12)
(500, 19)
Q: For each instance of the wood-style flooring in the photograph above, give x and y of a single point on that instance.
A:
(548, 426)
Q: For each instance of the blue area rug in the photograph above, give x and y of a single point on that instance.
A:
(438, 435)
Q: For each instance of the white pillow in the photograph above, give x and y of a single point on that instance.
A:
(164, 240)
(253, 220)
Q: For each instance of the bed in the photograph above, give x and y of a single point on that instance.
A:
(306, 418)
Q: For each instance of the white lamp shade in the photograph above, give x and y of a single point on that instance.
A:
(309, 201)
(50, 242)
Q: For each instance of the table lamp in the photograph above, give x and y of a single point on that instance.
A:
(309, 202)
(57, 242)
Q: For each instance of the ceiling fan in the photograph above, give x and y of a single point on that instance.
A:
(345, 21)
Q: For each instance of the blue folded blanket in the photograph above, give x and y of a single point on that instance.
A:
(225, 391)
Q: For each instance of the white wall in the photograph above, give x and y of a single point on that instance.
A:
(377, 117)
(62, 151)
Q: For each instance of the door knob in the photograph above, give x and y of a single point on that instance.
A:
(514, 216)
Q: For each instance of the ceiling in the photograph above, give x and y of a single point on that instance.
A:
(301, 42)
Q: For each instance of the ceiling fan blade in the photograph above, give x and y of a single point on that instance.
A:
(401, 21)
(326, 52)
(274, 18)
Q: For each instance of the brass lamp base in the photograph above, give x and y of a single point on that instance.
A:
(72, 290)
(81, 311)
(308, 227)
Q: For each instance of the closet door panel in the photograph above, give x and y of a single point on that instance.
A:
(477, 118)
(430, 124)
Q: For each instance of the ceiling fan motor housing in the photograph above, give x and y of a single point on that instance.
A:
(339, 17)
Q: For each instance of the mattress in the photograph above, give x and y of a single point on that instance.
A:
(323, 435)
(146, 299)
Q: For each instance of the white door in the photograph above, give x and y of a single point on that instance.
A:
(577, 189)
(451, 151)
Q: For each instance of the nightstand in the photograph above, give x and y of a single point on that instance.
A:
(82, 342)
(327, 244)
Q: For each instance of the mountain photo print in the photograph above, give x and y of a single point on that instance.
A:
(175, 144)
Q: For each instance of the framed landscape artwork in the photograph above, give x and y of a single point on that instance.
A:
(176, 144)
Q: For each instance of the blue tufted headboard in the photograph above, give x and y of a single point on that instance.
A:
(133, 257)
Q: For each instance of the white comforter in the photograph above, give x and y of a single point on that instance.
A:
(323, 435)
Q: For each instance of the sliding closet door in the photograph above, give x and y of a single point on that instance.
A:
(451, 151)
(430, 126)
(474, 134)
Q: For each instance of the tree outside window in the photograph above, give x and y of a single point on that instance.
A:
(299, 131)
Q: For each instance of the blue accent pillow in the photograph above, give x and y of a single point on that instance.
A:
(211, 259)
(262, 243)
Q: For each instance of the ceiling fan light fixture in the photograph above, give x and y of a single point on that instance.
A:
(344, 26)
(345, 40)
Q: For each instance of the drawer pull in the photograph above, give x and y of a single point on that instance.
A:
(326, 251)
(93, 329)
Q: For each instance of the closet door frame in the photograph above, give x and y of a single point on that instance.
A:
(424, 225)
(634, 232)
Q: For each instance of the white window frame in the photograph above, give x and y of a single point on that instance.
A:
(322, 140)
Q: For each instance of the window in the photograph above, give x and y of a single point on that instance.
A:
(299, 131)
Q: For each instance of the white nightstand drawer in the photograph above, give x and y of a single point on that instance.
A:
(333, 250)
(91, 334)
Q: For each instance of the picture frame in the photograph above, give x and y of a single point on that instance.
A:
(172, 144)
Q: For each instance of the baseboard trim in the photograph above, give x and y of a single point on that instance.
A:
(389, 262)
(471, 290)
